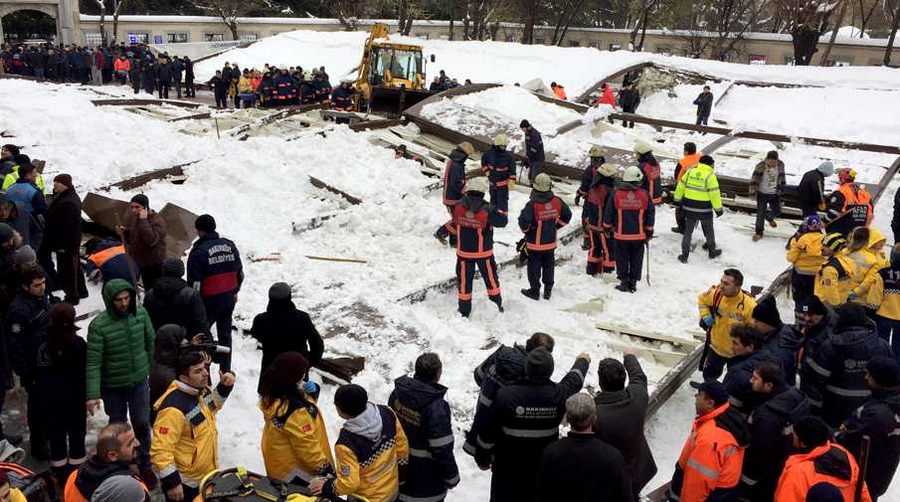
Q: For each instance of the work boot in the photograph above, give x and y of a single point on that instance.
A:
(498, 301)
(547, 291)
(677, 230)
(632, 286)
(772, 223)
(757, 237)
(705, 246)
(624, 286)
(590, 269)
(714, 253)
(531, 293)
(683, 258)
(586, 244)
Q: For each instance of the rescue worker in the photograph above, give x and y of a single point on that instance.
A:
(689, 160)
(849, 206)
(295, 443)
(722, 307)
(425, 417)
(781, 406)
(895, 219)
(543, 215)
(500, 168)
(805, 254)
(601, 258)
(819, 460)
(621, 413)
(185, 437)
(534, 149)
(342, 97)
(698, 196)
(833, 279)
(19, 160)
(811, 190)
(839, 382)
(879, 419)
(582, 467)
(649, 166)
(596, 159)
(766, 184)
(606, 97)
(117, 448)
(884, 298)
(781, 340)
(818, 325)
(628, 218)
(746, 345)
(369, 450)
(106, 260)
(866, 248)
(558, 91)
(214, 269)
(472, 222)
(505, 366)
(709, 467)
(513, 440)
(454, 185)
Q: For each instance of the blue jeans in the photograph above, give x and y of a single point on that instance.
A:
(134, 402)
(889, 331)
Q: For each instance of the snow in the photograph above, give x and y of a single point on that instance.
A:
(257, 188)
(849, 32)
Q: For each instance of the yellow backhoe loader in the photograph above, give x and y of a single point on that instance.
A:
(391, 75)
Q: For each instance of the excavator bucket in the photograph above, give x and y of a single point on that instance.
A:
(392, 101)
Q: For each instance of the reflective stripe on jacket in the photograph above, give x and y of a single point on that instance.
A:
(698, 190)
(727, 312)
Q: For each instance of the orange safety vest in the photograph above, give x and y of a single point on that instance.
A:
(560, 92)
(686, 163)
(711, 458)
(856, 199)
(101, 257)
(71, 493)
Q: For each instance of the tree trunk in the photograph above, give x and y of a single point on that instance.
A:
(232, 25)
(452, 17)
(528, 7)
(804, 40)
(120, 4)
(895, 24)
(640, 46)
(103, 24)
(823, 60)
(402, 7)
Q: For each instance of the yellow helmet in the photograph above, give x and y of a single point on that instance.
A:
(596, 151)
(501, 140)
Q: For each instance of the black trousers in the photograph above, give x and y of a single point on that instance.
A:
(189, 88)
(541, 265)
(500, 198)
(70, 275)
(149, 275)
(222, 319)
(221, 100)
(629, 260)
(802, 287)
(67, 430)
(38, 434)
(714, 366)
(163, 88)
(679, 218)
(177, 84)
(465, 274)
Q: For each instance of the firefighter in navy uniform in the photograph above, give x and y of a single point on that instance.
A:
(849, 206)
(601, 258)
(454, 185)
(425, 417)
(587, 176)
(214, 268)
(629, 216)
(342, 100)
(472, 222)
(522, 420)
(649, 166)
(541, 217)
(500, 168)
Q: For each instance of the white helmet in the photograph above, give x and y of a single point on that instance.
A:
(632, 174)
(479, 184)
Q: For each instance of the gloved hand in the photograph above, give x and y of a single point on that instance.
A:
(719, 213)
(853, 296)
(649, 236)
(708, 320)
(577, 199)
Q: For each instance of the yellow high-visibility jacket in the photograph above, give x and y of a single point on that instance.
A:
(698, 190)
(868, 261)
(368, 459)
(884, 295)
(294, 440)
(805, 252)
(12, 177)
(727, 312)
(833, 280)
(185, 438)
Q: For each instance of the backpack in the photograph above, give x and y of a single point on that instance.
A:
(239, 484)
(35, 486)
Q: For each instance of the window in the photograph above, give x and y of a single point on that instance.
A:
(574, 43)
(213, 37)
(840, 61)
(138, 38)
(757, 59)
(248, 37)
(615, 47)
(176, 38)
(93, 38)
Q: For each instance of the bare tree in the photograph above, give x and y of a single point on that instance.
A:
(118, 9)
(645, 9)
(102, 6)
(865, 13)
(530, 9)
(571, 9)
(407, 11)
(891, 12)
(229, 11)
(806, 21)
(823, 60)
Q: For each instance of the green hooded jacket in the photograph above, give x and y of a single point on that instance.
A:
(119, 345)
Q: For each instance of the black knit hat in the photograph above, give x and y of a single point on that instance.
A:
(524, 123)
(767, 311)
(813, 305)
(13, 149)
(539, 363)
(884, 370)
(141, 200)
(280, 291)
(173, 267)
(708, 160)
(205, 223)
(351, 400)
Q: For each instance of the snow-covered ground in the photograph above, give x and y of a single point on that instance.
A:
(257, 188)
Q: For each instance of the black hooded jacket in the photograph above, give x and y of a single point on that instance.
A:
(425, 417)
(737, 379)
(172, 301)
(505, 366)
(284, 328)
(63, 222)
(93, 472)
(771, 442)
(165, 359)
(784, 344)
(878, 418)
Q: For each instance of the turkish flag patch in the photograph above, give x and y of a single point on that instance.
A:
(306, 428)
(163, 430)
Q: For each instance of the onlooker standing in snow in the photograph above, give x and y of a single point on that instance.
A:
(163, 70)
(171, 300)
(63, 237)
(629, 99)
(146, 239)
(189, 90)
(581, 467)
(767, 183)
(704, 103)
(534, 149)
(425, 416)
(30, 202)
(621, 412)
(811, 191)
(215, 270)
